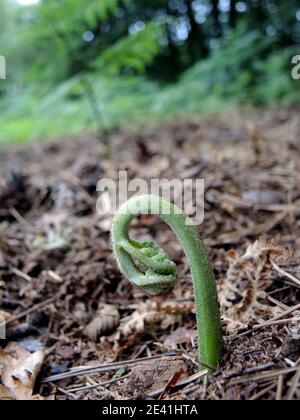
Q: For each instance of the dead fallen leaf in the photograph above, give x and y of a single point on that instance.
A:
(242, 292)
(145, 313)
(5, 393)
(172, 382)
(155, 375)
(154, 312)
(180, 336)
(106, 321)
(4, 315)
(19, 370)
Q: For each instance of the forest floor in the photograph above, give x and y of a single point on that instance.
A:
(67, 306)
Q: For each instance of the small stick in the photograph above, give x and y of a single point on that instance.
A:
(249, 371)
(91, 381)
(277, 303)
(282, 315)
(294, 385)
(279, 388)
(285, 273)
(98, 385)
(278, 322)
(21, 274)
(68, 394)
(18, 217)
(54, 276)
(179, 384)
(29, 311)
(268, 324)
(287, 312)
(263, 392)
(262, 376)
(265, 227)
(103, 368)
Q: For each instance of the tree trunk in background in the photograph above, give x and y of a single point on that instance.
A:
(259, 13)
(196, 47)
(233, 14)
(216, 14)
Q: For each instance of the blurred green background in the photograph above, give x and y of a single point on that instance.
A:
(77, 65)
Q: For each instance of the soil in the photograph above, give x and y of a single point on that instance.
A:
(62, 292)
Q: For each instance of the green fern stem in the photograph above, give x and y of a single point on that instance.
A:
(161, 274)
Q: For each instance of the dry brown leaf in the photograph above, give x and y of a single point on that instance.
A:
(243, 289)
(263, 249)
(146, 313)
(106, 321)
(155, 374)
(172, 382)
(180, 336)
(5, 394)
(4, 315)
(154, 312)
(177, 308)
(19, 370)
(172, 312)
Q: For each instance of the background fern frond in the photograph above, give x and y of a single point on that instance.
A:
(135, 51)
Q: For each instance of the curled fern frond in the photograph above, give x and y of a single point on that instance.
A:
(161, 273)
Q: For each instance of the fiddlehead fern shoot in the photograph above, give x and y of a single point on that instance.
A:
(161, 273)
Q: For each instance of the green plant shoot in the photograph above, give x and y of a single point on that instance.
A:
(161, 274)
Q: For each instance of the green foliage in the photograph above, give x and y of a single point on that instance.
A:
(66, 109)
(242, 69)
(134, 45)
(133, 51)
(74, 14)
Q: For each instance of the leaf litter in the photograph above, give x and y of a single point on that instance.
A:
(57, 272)
(19, 370)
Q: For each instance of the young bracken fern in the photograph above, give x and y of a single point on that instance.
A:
(161, 274)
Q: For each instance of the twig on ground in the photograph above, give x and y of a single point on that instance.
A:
(263, 392)
(67, 393)
(279, 388)
(29, 311)
(266, 325)
(263, 376)
(98, 385)
(277, 303)
(286, 313)
(18, 217)
(21, 274)
(277, 322)
(285, 273)
(102, 368)
(232, 237)
(274, 321)
(256, 369)
(294, 383)
(179, 384)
